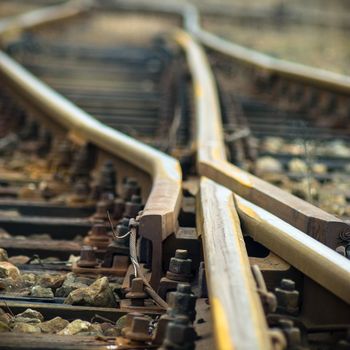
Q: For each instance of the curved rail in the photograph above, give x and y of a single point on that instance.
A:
(191, 22)
(159, 218)
(237, 312)
(15, 25)
(306, 217)
(323, 265)
(296, 71)
(300, 250)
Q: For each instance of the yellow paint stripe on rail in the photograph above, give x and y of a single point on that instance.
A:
(238, 317)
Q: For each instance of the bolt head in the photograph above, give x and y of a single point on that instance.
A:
(181, 254)
(137, 285)
(184, 288)
(180, 266)
(287, 284)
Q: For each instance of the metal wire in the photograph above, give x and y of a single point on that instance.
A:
(138, 271)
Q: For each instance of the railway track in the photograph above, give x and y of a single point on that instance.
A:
(156, 235)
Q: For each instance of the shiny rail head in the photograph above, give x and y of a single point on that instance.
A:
(239, 321)
(314, 259)
(295, 71)
(212, 162)
(164, 201)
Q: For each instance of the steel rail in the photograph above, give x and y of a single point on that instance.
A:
(239, 320)
(159, 217)
(11, 26)
(299, 72)
(304, 216)
(191, 21)
(325, 266)
(314, 259)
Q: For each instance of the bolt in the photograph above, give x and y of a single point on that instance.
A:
(81, 191)
(30, 131)
(128, 321)
(182, 302)
(292, 333)
(160, 331)
(287, 297)
(101, 211)
(133, 206)
(139, 330)
(98, 236)
(137, 293)
(130, 187)
(202, 281)
(122, 230)
(287, 284)
(87, 257)
(64, 155)
(119, 207)
(179, 335)
(108, 178)
(180, 267)
(347, 251)
(44, 143)
(81, 164)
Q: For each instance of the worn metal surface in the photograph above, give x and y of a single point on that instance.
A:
(239, 322)
(159, 216)
(212, 163)
(315, 260)
(236, 309)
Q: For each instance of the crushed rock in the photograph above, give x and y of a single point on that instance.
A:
(9, 270)
(38, 291)
(26, 328)
(77, 326)
(98, 294)
(30, 313)
(54, 325)
(3, 255)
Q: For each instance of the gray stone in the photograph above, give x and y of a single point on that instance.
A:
(70, 284)
(53, 281)
(7, 284)
(26, 328)
(75, 327)
(98, 294)
(25, 320)
(4, 234)
(9, 270)
(4, 327)
(38, 291)
(53, 326)
(3, 255)
(30, 313)
(112, 332)
(267, 165)
(5, 318)
(29, 279)
(19, 259)
(95, 330)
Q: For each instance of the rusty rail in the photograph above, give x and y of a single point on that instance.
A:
(159, 218)
(239, 321)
